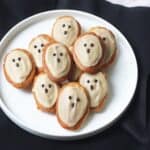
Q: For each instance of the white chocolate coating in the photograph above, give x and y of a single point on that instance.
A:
(96, 86)
(88, 50)
(65, 30)
(56, 52)
(45, 90)
(109, 41)
(36, 47)
(72, 110)
(18, 66)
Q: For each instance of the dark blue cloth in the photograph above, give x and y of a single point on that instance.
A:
(132, 130)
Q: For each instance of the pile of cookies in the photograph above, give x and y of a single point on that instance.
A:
(65, 70)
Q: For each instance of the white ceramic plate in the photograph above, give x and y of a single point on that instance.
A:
(19, 105)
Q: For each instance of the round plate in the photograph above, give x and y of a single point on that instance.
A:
(19, 105)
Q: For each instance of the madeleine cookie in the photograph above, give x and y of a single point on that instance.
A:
(19, 68)
(88, 52)
(66, 30)
(109, 43)
(72, 106)
(45, 92)
(96, 85)
(57, 61)
(36, 47)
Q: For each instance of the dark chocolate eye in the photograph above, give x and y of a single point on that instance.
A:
(61, 54)
(42, 85)
(103, 38)
(13, 60)
(85, 45)
(70, 97)
(63, 25)
(54, 54)
(35, 46)
(42, 45)
(69, 26)
(19, 58)
(88, 81)
(49, 85)
(95, 80)
(78, 99)
(92, 45)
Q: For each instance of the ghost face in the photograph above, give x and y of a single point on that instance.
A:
(18, 65)
(88, 50)
(108, 40)
(66, 30)
(96, 86)
(58, 60)
(106, 35)
(36, 48)
(45, 90)
(72, 105)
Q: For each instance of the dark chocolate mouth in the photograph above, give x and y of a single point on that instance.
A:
(92, 87)
(72, 105)
(17, 64)
(65, 32)
(88, 50)
(39, 50)
(58, 60)
(46, 90)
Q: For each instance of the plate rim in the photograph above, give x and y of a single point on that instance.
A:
(20, 123)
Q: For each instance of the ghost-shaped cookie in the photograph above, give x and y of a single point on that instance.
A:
(36, 47)
(19, 68)
(57, 61)
(45, 92)
(88, 52)
(66, 30)
(97, 87)
(109, 43)
(72, 106)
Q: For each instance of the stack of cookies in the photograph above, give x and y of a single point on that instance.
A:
(65, 70)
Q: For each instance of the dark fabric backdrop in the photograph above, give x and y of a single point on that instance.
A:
(132, 130)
